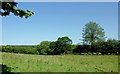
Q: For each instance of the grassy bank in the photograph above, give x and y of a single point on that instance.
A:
(60, 63)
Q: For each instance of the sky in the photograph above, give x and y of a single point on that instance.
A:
(58, 19)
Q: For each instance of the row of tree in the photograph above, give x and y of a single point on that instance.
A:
(111, 46)
(64, 46)
(20, 49)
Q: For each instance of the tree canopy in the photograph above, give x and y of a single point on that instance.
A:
(11, 7)
(43, 48)
(63, 45)
(92, 32)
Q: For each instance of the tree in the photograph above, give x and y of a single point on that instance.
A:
(118, 47)
(109, 46)
(112, 46)
(11, 7)
(53, 47)
(101, 46)
(93, 33)
(62, 45)
(78, 49)
(43, 48)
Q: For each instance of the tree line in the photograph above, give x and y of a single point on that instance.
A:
(63, 45)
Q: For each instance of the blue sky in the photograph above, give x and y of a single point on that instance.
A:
(52, 20)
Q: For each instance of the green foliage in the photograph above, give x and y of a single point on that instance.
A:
(5, 69)
(43, 48)
(81, 49)
(89, 53)
(11, 7)
(53, 46)
(110, 46)
(62, 45)
(20, 49)
(78, 49)
(100, 47)
(93, 33)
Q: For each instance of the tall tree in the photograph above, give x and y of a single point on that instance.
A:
(11, 7)
(92, 33)
(62, 45)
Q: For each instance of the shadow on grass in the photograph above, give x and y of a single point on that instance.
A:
(6, 70)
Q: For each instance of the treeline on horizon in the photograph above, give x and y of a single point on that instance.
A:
(64, 46)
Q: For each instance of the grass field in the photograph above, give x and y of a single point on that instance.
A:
(60, 63)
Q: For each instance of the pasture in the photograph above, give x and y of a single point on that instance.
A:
(60, 63)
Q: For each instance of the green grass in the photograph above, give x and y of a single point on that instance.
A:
(60, 63)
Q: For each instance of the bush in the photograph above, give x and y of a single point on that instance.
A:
(89, 53)
(85, 53)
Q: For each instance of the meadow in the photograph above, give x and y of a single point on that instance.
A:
(60, 63)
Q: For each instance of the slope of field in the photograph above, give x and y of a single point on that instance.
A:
(60, 63)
